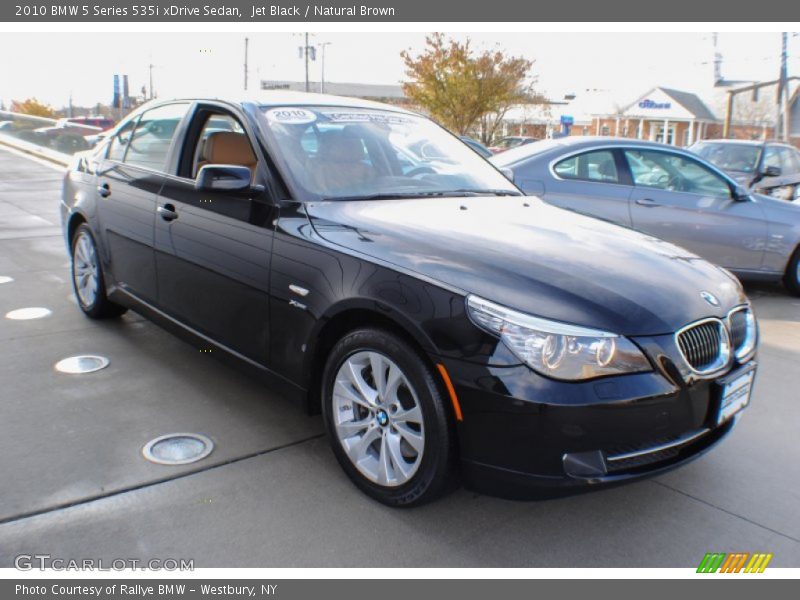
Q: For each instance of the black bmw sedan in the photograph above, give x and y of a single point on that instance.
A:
(371, 265)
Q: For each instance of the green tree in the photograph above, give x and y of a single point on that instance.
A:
(32, 106)
(458, 86)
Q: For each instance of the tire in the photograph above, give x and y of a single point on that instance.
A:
(408, 426)
(791, 279)
(88, 282)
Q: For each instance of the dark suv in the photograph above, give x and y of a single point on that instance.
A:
(442, 322)
(771, 168)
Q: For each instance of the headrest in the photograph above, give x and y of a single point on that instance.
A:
(343, 146)
(228, 148)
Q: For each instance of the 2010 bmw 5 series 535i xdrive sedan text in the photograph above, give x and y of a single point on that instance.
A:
(448, 328)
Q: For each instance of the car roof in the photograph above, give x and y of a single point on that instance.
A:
(569, 143)
(737, 142)
(291, 98)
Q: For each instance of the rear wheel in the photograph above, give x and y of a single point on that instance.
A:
(386, 419)
(791, 279)
(87, 277)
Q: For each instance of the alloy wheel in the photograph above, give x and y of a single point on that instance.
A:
(85, 269)
(378, 419)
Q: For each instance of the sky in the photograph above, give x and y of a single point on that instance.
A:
(51, 66)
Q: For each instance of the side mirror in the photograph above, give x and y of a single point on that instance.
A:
(223, 178)
(509, 174)
(771, 171)
(741, 194)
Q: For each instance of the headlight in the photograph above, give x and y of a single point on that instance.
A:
(558, 350)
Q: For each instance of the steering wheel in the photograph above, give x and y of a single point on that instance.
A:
(676, 183)
(420, 171)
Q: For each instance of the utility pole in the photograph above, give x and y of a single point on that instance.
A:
(322, 76)
(783, 91)
(246, 41)
(305, 53)
(150, 67)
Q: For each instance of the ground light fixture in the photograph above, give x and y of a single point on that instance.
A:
(29, 313)
(78, 365)
(178, 448)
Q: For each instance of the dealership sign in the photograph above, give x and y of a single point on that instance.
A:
(647, 103)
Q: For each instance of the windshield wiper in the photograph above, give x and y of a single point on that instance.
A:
(380, 196)
(486, 192)
(428, 194)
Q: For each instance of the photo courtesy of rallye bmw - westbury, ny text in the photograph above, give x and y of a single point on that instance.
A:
(138, 590)
(305, 299)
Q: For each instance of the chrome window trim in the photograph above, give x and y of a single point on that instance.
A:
(634, 146)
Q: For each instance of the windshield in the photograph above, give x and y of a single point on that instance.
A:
(336, 153)
(730, 157)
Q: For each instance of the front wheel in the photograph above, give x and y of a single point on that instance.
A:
(87, 277)
(386, 419)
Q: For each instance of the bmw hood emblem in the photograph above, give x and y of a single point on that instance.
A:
(710, 298)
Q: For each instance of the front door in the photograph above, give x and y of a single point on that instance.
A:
(684, 202)
(213, 248)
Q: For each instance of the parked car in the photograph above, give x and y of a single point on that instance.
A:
(68, 135)
(509, 142)
(668, 193)
(442, 322)
(771, 168)
(477, 146)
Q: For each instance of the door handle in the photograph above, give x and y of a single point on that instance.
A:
(647, 202)
(167, 212)
(104, 190)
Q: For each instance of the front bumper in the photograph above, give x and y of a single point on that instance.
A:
(526, 435)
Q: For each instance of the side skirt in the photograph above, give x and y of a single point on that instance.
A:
(273, 380)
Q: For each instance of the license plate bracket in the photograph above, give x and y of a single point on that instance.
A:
(734, 392)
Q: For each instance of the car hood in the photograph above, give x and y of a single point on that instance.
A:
(536, 258)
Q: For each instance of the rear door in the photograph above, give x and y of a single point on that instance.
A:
(592, 183)
(213, 249)
(679, 199)
(129, 178)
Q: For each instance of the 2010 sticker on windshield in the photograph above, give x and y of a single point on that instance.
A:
(291, 116)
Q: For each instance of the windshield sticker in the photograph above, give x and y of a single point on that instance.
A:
(365, 117)
(291, 116)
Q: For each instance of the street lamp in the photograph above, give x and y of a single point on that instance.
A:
(322, 76)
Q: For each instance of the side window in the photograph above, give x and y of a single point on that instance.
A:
(788, 158)
(673, 172)
(149, 145)
(591, 166)
(222, 140)
(119, 143)
(772, 158)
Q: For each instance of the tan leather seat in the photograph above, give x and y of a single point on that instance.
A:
(227, 148)
(339, 163)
